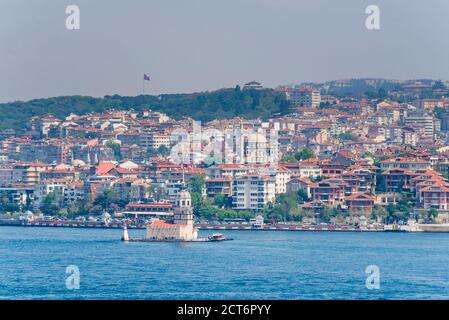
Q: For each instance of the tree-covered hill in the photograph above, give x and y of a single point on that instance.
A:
(204, 106)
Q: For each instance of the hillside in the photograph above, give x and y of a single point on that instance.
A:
(367, 87)
(204, 106)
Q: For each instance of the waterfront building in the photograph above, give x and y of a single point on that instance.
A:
(17, 194)
(397, 179)
(435, 197)
(328, 193)
(360, 179)
(43, 188)
(253, 192)
(181, 229)
(218, 186)
(360, 203)
(149, 210)
(297, 183)
(73, 192)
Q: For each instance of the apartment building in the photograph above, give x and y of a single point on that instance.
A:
(305, 97)
(422, 122)
(154, 140)
(253, 192)
(28, 173)
(329, 193)
(405, 163)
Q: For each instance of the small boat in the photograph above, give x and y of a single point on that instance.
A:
(217, 237)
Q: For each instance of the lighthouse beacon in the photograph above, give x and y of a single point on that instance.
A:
(181, 229)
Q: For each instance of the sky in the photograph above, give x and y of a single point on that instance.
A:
(200, 45)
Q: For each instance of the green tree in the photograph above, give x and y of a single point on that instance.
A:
(116, 148)
(432, 214)
(379, 212)
(163, 150)
(305, 154)
(347, 137)
(156, 192)
(196, 185)
(107, 199)
(302, 196)
(50, 204)
(299, 155)
(220, 200)
(7, 206)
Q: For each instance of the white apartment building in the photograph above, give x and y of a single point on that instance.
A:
(282, 177)
(73, 192)
(424, 123)
(258, 146)
(253, 192)
(309, 171)
(154, 140)
(42, 189)
(228, 170)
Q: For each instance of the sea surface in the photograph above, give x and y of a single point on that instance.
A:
(255, 265)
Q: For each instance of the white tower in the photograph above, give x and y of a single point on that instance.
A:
(183, 213)
(125, 236)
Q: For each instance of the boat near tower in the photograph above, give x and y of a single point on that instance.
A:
(182, 228)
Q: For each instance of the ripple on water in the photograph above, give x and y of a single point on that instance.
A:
(256, 265)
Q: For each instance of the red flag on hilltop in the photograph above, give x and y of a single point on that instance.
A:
(145, 77)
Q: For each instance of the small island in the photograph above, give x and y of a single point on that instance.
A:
(180, 230)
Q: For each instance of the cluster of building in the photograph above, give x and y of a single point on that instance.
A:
(367, 152)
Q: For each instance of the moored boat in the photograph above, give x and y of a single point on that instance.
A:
(217, 237)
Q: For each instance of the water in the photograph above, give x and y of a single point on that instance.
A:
(256, 265)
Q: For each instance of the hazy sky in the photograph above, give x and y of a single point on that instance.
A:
(197, 45)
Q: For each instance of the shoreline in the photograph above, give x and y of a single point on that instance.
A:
(228, 227)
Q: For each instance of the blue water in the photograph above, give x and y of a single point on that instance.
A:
(256, 265)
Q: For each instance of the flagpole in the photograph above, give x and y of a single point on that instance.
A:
(143, 85)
